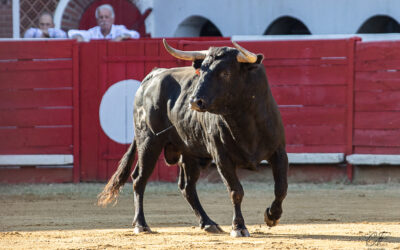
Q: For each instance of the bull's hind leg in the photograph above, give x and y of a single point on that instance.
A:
(279, 164)
(148, 153)
(189, 174)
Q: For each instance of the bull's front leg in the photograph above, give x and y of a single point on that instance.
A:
(228, 174)
(279, 164)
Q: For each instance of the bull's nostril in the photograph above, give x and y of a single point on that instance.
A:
(200, 104)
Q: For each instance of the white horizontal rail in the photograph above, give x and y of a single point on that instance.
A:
(373, 159)
(314, 158)
(294, 158)
(36, 160)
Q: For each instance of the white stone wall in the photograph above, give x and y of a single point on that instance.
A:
(253, 17)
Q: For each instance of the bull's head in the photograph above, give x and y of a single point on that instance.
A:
(223, 76)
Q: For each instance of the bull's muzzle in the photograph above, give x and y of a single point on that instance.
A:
(198, 104)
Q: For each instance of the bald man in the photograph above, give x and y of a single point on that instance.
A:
(46, 28)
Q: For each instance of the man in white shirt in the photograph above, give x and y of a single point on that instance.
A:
(106, 28)
(46, 28)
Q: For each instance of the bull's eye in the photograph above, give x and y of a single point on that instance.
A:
(224, 74)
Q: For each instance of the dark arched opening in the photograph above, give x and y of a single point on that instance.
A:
(287, 26)
(196, 26)
(209, 29)
(379, 24)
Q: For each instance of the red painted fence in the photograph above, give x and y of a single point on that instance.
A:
(39, 105)
(377, 98)
(335, 96)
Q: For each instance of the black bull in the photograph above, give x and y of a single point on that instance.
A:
(220, 109)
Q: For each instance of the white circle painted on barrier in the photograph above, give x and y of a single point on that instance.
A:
(116, 111)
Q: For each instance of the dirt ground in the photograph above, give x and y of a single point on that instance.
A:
(316, 216)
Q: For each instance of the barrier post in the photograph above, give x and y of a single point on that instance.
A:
(350, 102)
(76, 114)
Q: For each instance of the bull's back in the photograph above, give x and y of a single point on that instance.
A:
(157, 95)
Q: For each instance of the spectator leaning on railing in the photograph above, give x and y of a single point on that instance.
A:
(46, 28)
(106, 28)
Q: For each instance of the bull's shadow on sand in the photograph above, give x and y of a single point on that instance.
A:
(369, 238)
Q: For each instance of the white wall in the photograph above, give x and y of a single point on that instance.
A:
(252, 17)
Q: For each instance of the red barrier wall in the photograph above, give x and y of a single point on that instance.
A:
(377, 95)
(39, 102)
(335, 96)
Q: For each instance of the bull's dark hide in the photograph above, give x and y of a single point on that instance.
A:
(219, 109)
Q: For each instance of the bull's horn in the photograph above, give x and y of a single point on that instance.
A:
(244, 56)
(185, 55)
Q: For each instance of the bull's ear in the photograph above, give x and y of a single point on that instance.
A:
(253, 66)
(260, 58)
(197, 63)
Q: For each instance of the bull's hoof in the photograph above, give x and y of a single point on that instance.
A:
(269, 220)
(213, 229)
(140, 229)
(240, 233)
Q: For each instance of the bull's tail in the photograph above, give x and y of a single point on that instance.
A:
(121, 175)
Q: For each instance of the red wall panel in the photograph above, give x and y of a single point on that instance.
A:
(377, 95)
(37, 99)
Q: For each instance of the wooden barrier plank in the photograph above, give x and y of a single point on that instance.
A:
(36, 79)
(115, 72)
(31, 98)
(36, 175)
(36, 64)
(282, 49)
(307, 75)
(35, 117)
(378, 138)
(377, 51)
(201, 45)
(76, 114)
(36, 49)
(135, 70)
(377, 101)
(135, 48)
(310, 62)
(116, 48)
(376, 150)
(378, 65)
(377, 120)
(89, 58)
(310, 95)
(300, 148)
(315, 135)
(377, 80)
(35, 137)
(313, 115)
(298, 48)
(151, 49)
(66, 149)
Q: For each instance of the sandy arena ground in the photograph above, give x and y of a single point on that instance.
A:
(316, 216)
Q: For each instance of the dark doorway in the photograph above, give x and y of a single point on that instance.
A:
(379, 24)
(209, 29)
(287, 26)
